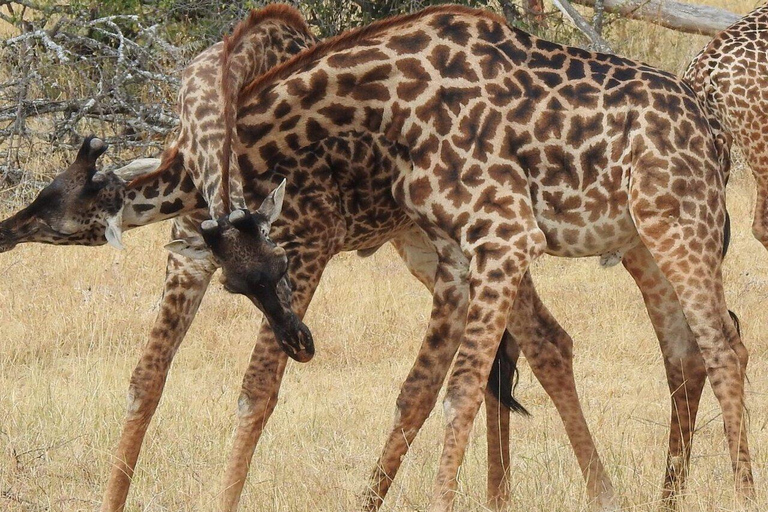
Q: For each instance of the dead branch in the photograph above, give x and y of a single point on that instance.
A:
(597, 42)
(66, 78)
(683, 17)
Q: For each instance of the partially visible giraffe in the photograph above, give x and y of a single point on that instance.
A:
(730, 75)
(323, 215)
(518, 147)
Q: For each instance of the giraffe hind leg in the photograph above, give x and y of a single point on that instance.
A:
(549, 351)
(683, 364)
(696, 278)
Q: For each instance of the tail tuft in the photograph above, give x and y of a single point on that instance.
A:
(736, 321)
(503, 378)
(727, 236)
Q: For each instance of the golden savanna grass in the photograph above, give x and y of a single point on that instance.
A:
(73, 322)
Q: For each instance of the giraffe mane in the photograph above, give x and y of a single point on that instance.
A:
(351, 38)
(171, 157)
(273, 12)
(229, 44)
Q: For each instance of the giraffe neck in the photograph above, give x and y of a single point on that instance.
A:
(161, 195)
(208, 95)
(369, 81)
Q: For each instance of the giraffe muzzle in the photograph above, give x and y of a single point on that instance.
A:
(296, 341)
(15, 230)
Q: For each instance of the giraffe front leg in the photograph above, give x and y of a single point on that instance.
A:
(497, 421)
(549, 351)
(261, 383)
(760, 221)
(419, 392)
(497, 437)
(185, 285)
(257, 401)
(685, 369)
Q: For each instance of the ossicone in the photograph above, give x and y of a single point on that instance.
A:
(93, 147)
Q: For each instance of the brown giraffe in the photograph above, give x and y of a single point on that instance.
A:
(319, 220)
(518, 147)
(168, 182)
(730, 75)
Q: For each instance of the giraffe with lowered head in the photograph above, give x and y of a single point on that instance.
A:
(86, 207)
(518, 147)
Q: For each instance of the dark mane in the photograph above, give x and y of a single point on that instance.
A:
(351, 38)
(229, 44)
(171, 157)
(274, 12)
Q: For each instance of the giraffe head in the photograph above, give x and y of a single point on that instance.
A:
(254, 266)
(80, 206)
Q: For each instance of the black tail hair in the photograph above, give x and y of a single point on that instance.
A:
(736, 322)
(727, 239)
(503, 377)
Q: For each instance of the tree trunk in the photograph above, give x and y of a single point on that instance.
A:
(695, 19)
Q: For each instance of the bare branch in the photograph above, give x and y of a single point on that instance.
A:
(597, 42)
(695, 19)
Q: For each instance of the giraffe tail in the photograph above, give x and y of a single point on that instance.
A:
(726, 233)
(503, 377)
(736, 321)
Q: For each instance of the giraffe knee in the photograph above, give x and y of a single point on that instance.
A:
(141, 400)
(449, 411)
(412, 409)
(132, 403)
(245, 406)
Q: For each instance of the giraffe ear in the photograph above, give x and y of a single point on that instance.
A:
(136, 168)
(192, 248)
(273, 204)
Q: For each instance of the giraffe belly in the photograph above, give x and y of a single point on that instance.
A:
(607, 236)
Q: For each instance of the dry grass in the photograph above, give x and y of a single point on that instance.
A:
(73, 322)
(72, 331)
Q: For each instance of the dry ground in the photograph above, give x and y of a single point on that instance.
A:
(73, 322)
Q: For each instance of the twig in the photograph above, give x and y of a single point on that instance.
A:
(597, 42)
(597, 19)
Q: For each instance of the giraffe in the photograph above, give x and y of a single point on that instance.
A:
(518, 147)
(144, 207)
(730, 76)
(315, 217)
